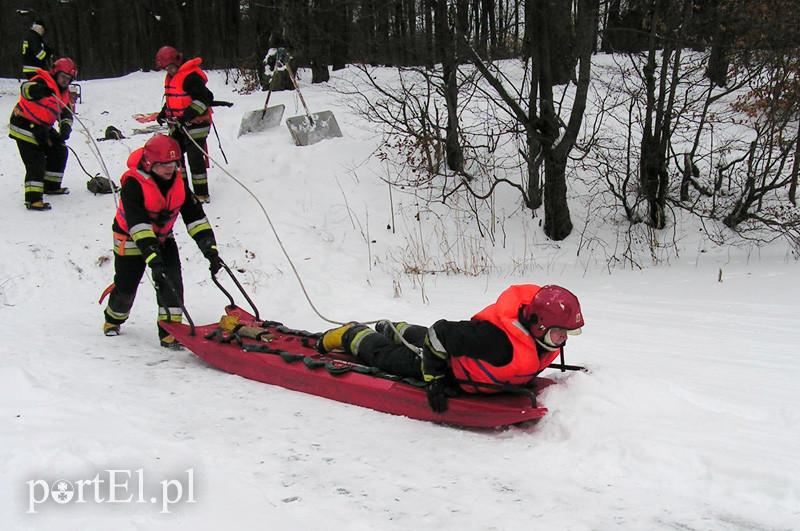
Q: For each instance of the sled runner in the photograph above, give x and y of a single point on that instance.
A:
(288, 359)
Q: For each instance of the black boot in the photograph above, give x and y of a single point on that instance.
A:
(387, 329)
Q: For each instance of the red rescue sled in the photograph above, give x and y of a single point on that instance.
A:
(293, 363)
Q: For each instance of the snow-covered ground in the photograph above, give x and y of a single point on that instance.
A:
(688, 420)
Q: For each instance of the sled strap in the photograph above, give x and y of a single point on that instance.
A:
(105, 293)
(502, 387)
(333, 365)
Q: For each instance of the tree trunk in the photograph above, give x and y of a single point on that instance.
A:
(686, 179)
(502, 27)
(718, 60)
(650, 164)
(462, 27)
(795, 168)
(319, 37)
(411, 15)
(399, 45)
(718, 63)
(534, 188)
(488, 6)
(562, 41)
(547, 123)
(430, 51)
(483, 42)
(741, 210)
(382, 32)
(557, 222)
(516, 26)
(650, 169)
(612, 25)
(297, 30)
(340, 35)
(446, 50)
(533, 16)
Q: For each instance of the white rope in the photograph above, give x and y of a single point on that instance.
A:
(97, 155)
(271, 226)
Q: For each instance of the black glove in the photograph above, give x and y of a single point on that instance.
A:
(54, 136)
(437, 399)
(162, 117)
(158, 268)
(214, 264)
(214, 261)
(188, 115)
(65, 131)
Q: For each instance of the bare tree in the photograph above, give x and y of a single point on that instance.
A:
(540, 121)
(446, 50)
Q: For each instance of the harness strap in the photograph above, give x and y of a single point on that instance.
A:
(105, 293)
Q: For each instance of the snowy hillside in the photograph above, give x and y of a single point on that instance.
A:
(688, 419)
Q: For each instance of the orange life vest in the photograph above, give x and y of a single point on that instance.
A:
(162, 211)
(525, 362)
(177, 100)
(45, 111)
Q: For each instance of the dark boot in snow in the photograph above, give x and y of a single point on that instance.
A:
(171, 343)
(37, 205)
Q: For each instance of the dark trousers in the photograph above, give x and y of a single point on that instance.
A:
(44, 168)
(197, 159)
(388, 353)
(128, 271)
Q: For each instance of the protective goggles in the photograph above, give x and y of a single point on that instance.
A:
(68, 77)
(169, 165)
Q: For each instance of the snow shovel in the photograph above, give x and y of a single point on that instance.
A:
(262, 119)
(311, 128)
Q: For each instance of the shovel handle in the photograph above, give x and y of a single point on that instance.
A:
(302, 100)
(269, 93)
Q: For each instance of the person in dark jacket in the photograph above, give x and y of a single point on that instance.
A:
(36, 55)
(187, 108)
(153, 193)
(507, 343)
(44, 100)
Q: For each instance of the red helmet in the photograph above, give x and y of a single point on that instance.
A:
(553, 307)
(167, 55)
(160, 149)
(65, 65)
